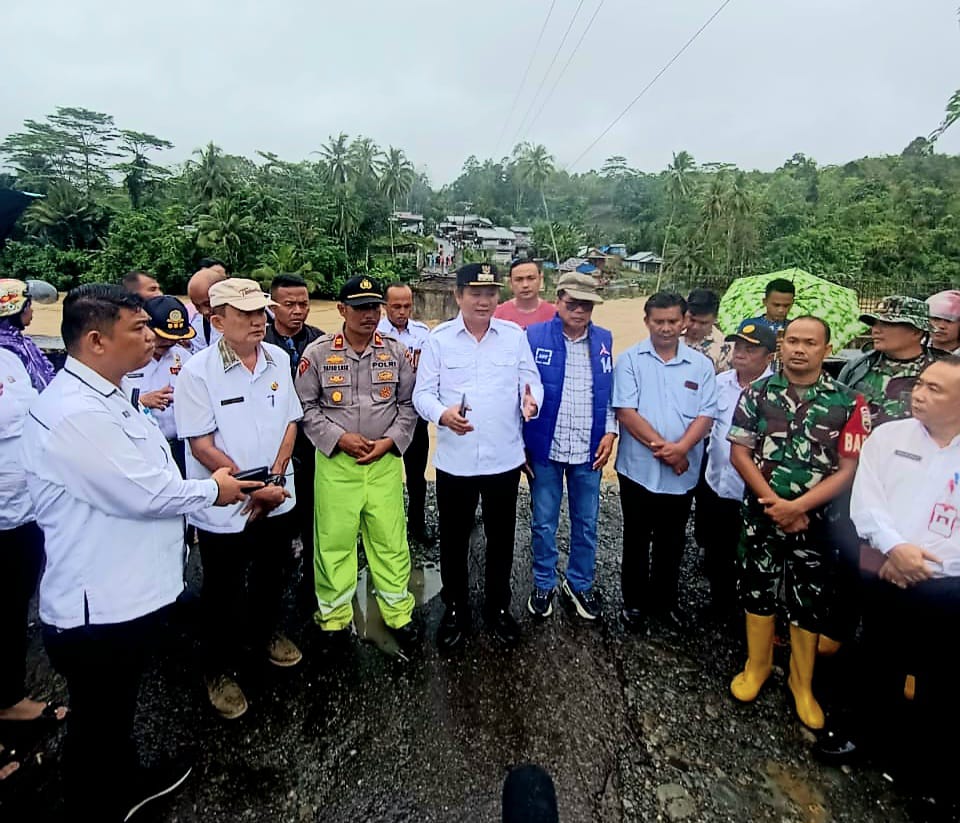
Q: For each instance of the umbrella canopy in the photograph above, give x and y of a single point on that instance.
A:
(837, 305)
(12, 205)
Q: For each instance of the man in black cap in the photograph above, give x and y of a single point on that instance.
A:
(479, 366)
(290, 331)
(355, 387)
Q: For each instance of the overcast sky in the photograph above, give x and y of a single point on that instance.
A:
(835, 79)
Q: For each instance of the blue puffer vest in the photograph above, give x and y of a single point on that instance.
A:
(550, 354)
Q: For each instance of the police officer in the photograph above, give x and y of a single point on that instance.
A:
(355, 386)
(110, 502)
(795, 438)
(398, 323)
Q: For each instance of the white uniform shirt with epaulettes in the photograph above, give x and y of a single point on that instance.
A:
(158, 374)
(247, 414)
(369, 393)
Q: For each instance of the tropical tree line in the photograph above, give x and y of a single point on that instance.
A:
(111, 204)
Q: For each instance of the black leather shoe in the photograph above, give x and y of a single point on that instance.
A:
(835, 748)
(633, 620)
(504, 628)
(452, 632)
(407, 637)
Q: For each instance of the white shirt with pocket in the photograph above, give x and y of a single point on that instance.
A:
(16, 395)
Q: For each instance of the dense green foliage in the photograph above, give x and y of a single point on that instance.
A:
(110, 205)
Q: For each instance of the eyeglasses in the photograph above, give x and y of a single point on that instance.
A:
(578, 305)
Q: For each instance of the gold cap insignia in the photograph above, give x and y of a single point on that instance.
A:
(749, 329)
(175, 319)
(366, 284)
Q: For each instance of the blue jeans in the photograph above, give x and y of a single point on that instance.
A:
(583, 498)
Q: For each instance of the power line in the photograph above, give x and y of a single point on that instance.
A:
(647, 87)
(516, 97)
(566, 65)
(546, 74)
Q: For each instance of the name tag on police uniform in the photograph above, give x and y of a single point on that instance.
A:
(230, 401)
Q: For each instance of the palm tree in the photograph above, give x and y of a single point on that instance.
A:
(211, 174)
(223, 229)
(365, 159)
(346, 216)
(65, 217)
(535, 165)
(395, 183)
(678, 188)
(336, 160)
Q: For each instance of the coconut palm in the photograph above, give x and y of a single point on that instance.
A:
(395, 183)
(211, 174)
(535, 165)
(678, 189)
(365, 159)
(336, 160)
(223, 229)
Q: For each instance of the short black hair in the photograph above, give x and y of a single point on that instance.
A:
(93, 306)
(781, 285)
(703, 301)
(287, 281)
(131, 280)
(522, 261)
(397, 285)
(947, 360)
(665, 300)
(209, 262)
(820, 320)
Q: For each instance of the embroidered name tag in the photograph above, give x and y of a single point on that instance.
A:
(689, 384)
(230, 401)
(543, 357)
(908, 455)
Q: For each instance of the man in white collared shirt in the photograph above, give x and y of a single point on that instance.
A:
(719, 503)
(236, 406)
(198, 290)
(110, 502)
(477, 382)
(398, 323)
(906, 505)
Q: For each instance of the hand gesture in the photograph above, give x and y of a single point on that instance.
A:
(529, 407)
(911, 562)
(356, 445)
(159, 399)
(264, 501)
(380, 448)
(784, 513)
(669, 453)
(456, 422)
(231, 489)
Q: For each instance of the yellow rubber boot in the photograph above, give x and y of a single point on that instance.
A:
(910, 687)
(803, 654)
(827, 646)
(746, 685)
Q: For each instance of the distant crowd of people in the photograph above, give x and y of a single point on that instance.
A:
(830, 502)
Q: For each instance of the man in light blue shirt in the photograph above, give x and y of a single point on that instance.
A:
(477, 382)
(398, 324)
(665, 395)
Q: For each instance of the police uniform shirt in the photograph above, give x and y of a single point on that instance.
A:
(247, 414)
(492, 374)
(110, 501)
(722, 477)
(907, 490)
(16, 395)
(156, 375)
(368, 393)
(669, 396)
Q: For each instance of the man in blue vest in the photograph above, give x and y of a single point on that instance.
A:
(572, 436)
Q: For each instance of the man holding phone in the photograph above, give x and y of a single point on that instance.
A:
(478, 382)
(236, 406)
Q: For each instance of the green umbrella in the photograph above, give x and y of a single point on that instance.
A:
(837, 305)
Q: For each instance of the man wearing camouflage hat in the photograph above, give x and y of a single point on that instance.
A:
(356, 387)
(900, 329)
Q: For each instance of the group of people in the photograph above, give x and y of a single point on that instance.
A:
(246, 429)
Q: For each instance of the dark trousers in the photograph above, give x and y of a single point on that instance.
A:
(304, 463)
(457, 499)
(701, 520)
(720, 537)
(243, 581)
(912, 631)
(103, 665)
(414, 466)
(649, 580)
(21, 561)
(843, 615)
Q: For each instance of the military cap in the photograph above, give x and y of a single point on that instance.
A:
(579, 286)
(360, 290)
(759, 334)
(478, 274)
(900, 309)
(168, 318)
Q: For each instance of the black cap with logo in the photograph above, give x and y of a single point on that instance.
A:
(478, 274)
(168, 318)
(756, 333)
(360, 291)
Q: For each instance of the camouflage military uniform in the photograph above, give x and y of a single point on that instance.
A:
(715, 347)
(887, 383)
(797, 439)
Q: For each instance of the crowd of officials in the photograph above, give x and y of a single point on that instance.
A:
(239, 428)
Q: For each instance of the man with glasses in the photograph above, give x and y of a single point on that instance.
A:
(573, 437)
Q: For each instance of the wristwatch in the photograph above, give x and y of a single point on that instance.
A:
(275, 480)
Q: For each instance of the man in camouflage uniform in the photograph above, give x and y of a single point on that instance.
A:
(701, 332)
(900, 329)
(795, 440)
(356, 388)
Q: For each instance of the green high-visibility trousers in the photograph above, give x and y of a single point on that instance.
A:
(369, 500)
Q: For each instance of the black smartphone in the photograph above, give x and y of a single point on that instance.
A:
(260, 474)
(462, 411)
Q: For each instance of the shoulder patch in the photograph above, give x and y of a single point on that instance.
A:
(302, 366)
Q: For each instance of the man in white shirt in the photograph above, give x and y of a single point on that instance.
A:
(398, 324)
(477, 382)
(236, 406)
(110, 501)
(906, 506)
(719, 502)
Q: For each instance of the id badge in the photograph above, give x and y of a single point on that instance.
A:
(943, 520)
